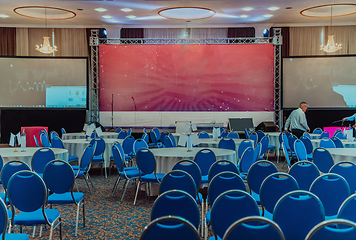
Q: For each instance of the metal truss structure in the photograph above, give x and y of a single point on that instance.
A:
(95, 41)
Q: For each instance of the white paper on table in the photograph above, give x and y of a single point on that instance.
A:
(89, 131)
(195, 139)
(187, 127)
(189, 142)
(23, 142)
(349, 134)
(216, 133)
(85, 127)
(12, 139)
(18, 136)
(92, 126)
(182, 139)
(194, 127)
(99, 131)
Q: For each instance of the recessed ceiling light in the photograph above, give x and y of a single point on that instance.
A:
(131, 16)
(268, 15)
(107, 16)
(273, 8)
(100, 9)
(4, 16)
(247, 8)
(126, 9)
(243, 16)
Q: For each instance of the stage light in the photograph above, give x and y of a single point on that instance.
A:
(105, 32)
(243, 16)
(247, 9)
(126, 9)
(100, 9)
(265, 32)
(273, 8)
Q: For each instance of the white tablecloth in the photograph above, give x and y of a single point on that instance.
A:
(212, 143)
(167, 157)
(177, 135)
(8, 154)
(81, 135)
(76, 147)
(343, 154)
(347, 144)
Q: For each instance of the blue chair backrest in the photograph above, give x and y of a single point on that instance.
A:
(285, 141)
(223, 182)
(305, 134)
(87, 156)
(59, 176)
(348, 171)
(324, 134)
(122, 134)
(221, 166)
(246, 228)
(163, 135)
(247, 159)
(100, 146)
(36, 141)
(296, 221)
(157, 132)
(305, 172)
(173, 140)
(4, 218)
(337, 142)
(327, 231)
(153, 136)
(10, 168)
(145, 137)
(40, 159)
(327, 143)
(94, 135)
(224, 134)
(166, 227)
(1, 163)
(300, 150)
(190, 167)
(129, 132)
(44, 140)
(57, 142)
(291, 140)
(234, 135)
(264, 145)
(63, 131)
(260, 135)
(348, 209)
(274, 187)
(258, 173)
(167, 142)
(138, 143)
(286, 154)
(254, 138)
(146, 161)
(205, 158)
(340, 135)
(257, 152)
(144, 131)
(322, 159)
(203, 134)
(229, 207)
(227, 143)
(118, 130)
(242, 147)
(178, 180)
(280, 137)
(337, 131)
(318, 131)
(118, 158)
(53, 134)
(307, 143)
(332, 190)
(247, 133)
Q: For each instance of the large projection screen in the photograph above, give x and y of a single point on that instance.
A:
(321, 81)
(44, 82)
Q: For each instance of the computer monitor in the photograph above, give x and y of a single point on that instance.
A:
(240, 124)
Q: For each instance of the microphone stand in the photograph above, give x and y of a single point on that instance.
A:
(133, 99)
(112, 111)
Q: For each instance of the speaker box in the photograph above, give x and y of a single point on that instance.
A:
(267, 127)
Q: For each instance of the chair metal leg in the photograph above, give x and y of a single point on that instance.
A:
(138, 186)
(86, 181)
(83, 206)
(126, 183)
(77, 220)
(116, 184)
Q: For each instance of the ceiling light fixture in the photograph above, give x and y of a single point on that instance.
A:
(46, 46)
(100, 9)
(247, 8)
(126, 9)
(243, 16)
(268, 15)
(187, 13)
(4, 16)
(107, 16)
(273, 8)
(331, 46)
(131, 16)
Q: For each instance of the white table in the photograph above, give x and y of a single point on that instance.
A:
(343, 154)
(212, 143)
(347, 144)
(167, 157)
(76, 147)
(177, 135)
(8, 154)
(81, 135)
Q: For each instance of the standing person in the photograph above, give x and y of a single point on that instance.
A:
(297, 121)
(351, 118)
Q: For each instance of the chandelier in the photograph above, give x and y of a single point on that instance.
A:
(46, 47)
(331, 46)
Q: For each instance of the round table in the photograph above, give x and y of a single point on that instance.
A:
(177, 135)
(212, 143)
(8, 154)
(76, 147)
(347, 144)
(82, 135)
(167, 157)
(343, 154)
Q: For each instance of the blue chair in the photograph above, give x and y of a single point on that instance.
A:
(254, 138)
(340, 135)
(247, 133)
(157, 132)
(172, 140)
(332, 190)
(348, 209)
(145, 137)
(270, 148)
(286, 154)
(53, 134)
(99, 153)
(318, 131)
(144, 131)
(227, 143)
(257, 174)
(224, 134)
(242, 147)
(204, 159)
(36, 141)
(44, 140)
(337, 131)
(154, 139)
(163, 135)
(4, 223)
(170, 227)
(305, 172)
(348, 171)
(40, 159)
(326, 230)
(126, 173)
(264, 147)
(324, 134)
(58, 143)
(167, 142)
(291, 140)
(94, 135)
(260, 135)
(63, 131)
(229, 207)
(300, 150)
(129, 132)
(247, 159)
(128, 146)
(326, 143)
(118, 130)
(28, 194)
(286, 142)
(297, 212)
(59, 178)
(337, 142)
(257, 152)
(122, 134)
(306, 134)
(280, 150)
(273, 188)
(138, 143)
(246, 228)
(308, 146)
(146, 163)
(322, 159)
(221, 166)
(203, 134)
(233, 135)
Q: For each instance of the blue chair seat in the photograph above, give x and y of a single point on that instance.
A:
(75, 167)
(36, 217)
(2, 196)
(151, 177)
(257, 198)
(267, 214)
(80, 174)
(133, 173)
(17, 236)
(65, 198)
(243, 176)
(208, 217)
(271, 147)
(72, 158)
(98, 159)
(310, 156)
(204, 179)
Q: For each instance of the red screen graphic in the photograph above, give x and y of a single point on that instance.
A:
(186, 77)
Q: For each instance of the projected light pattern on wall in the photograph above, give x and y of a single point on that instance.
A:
(35, 86)
(186, 77)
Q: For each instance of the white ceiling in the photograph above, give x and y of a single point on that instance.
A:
(228, 12)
